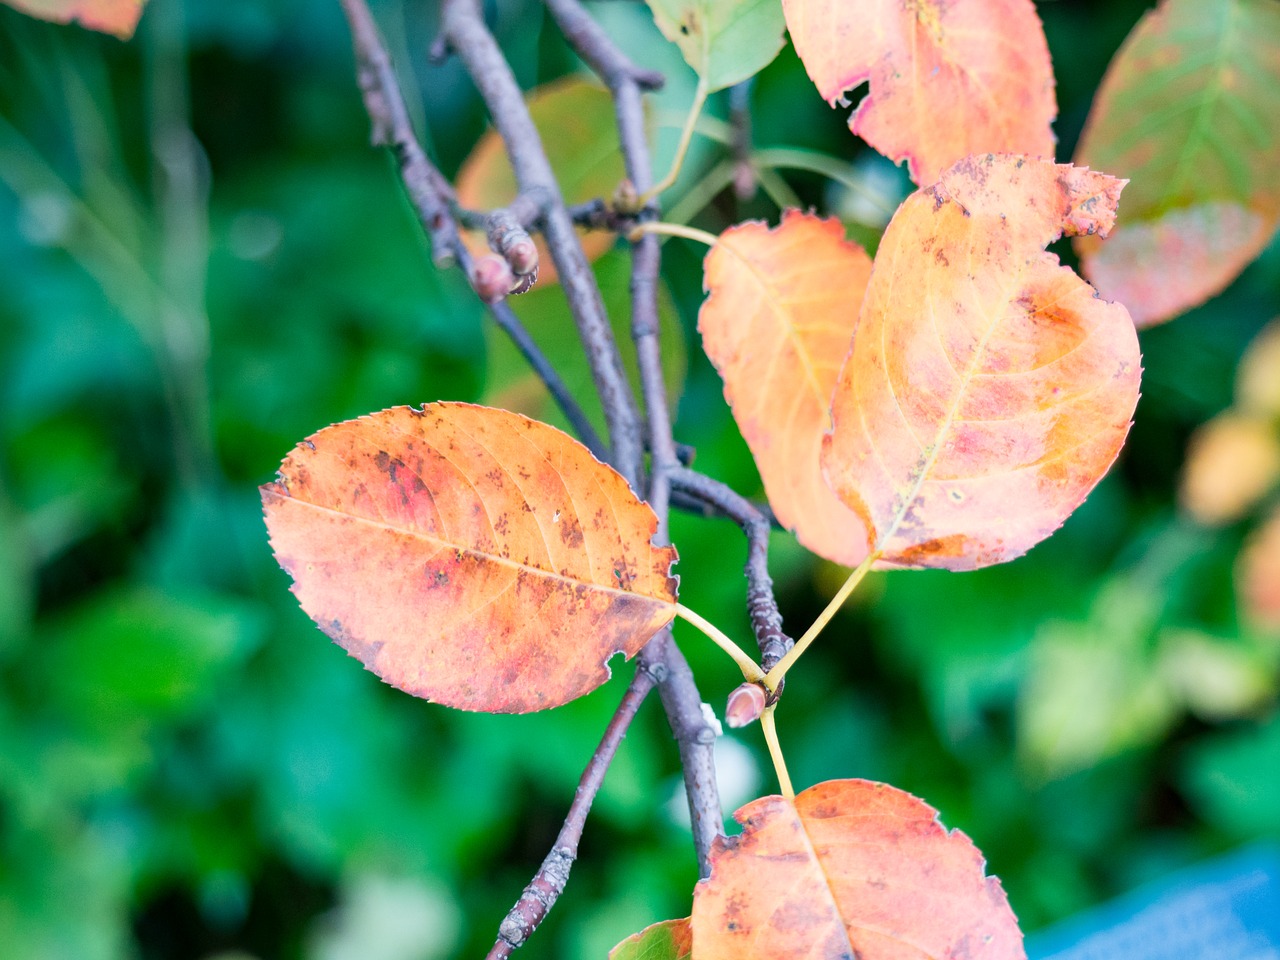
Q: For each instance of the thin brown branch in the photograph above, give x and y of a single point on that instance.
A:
(464, 29)
(744, 175)
(680, 696)
(549, 882)
(432, 199)
(762, 605)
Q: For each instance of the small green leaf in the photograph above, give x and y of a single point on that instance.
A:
(668, 940)
(725, 41)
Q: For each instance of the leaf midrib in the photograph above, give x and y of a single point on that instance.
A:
(482, 554)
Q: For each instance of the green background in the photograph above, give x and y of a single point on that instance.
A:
(188, 768)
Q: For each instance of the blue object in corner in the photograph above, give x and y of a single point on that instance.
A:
(1226, 909)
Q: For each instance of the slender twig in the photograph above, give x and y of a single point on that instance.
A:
(680, 696)
(505, 318)
(431, 197)
(549, 882)
(464, 29)
(696, 739)
(744, 180)
(762, 605)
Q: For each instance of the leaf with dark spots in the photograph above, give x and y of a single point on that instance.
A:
(849, 868)
(946, 79)
(452, 580)
(987, 392)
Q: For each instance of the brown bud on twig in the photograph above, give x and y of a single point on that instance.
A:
(522, 254)
(626, 199)
(492, 279)
(745, 705)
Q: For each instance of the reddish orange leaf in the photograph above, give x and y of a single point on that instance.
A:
(1258, 575)
(850, 868)
(578, 128)
(469, 555)
(668, 940)
(1232, 463)
(108, 16)
(988, 389)
(778, 320)
(1190, 110)
(946, 79)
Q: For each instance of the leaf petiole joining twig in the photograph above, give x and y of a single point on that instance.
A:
(682, 148)
(775, 675)
(775, 751)
(751, 671)
(673, 230)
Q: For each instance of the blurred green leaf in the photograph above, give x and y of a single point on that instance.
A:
(725, 41)
(1231, 779)
(137, 656)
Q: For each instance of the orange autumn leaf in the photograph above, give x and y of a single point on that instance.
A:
(580, 135)
(469, 555)
(946, 79)
(1232, 463)
(1258, 575)
(119, 17)
(850, 868)
(1190, 111)
(988, 388)
(777, 322)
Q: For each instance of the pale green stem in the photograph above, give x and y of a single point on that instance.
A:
(674, 230)
(702, 193)
(775, 752)
(820, 163)
(713, 128)
(779, 190)
(751, 671)
(686, 135)
(774, 677)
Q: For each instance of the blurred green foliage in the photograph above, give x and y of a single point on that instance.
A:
(188, 768)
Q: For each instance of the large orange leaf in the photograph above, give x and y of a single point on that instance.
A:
(109, 16)
(575, 118)
(469, 555)
(988, 389)
(946, 79)
(778, 320)
(1190, 110)
(850, 868)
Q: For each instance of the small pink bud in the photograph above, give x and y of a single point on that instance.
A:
(523, 256)
(745, 705)
(492, 278)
